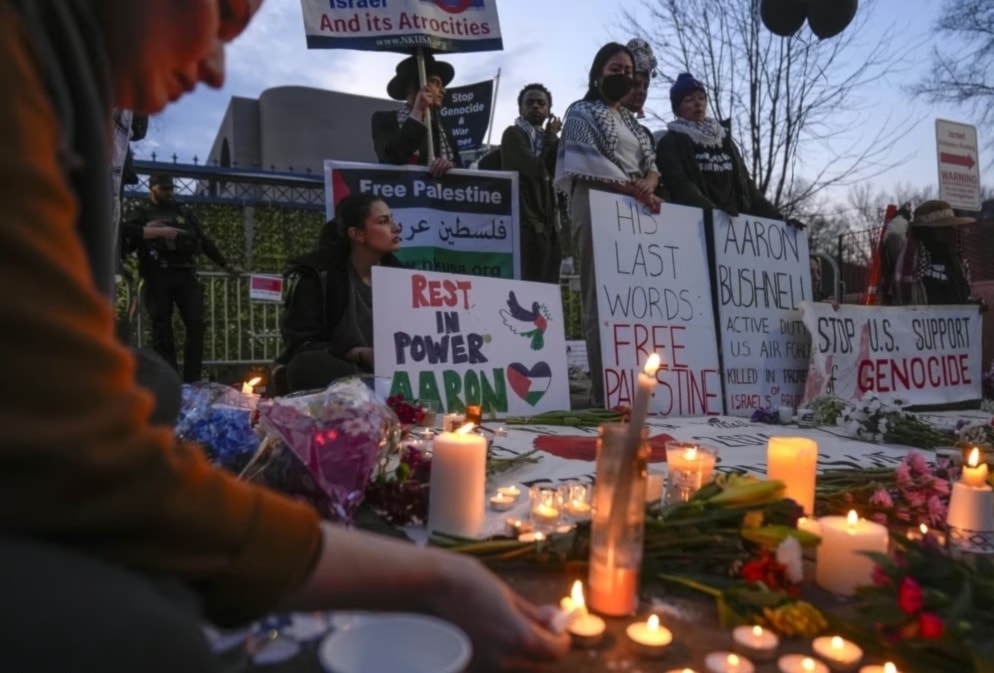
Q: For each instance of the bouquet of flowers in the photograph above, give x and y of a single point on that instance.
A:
(220, 419)
(874, 420)
(400, 495)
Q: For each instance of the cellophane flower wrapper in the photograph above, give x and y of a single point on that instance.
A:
(340, 434)
(220, 419)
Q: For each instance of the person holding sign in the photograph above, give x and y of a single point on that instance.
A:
(930, 268)
(699, 164)
(602, 147)
(328, 317)
(530, 147)
(401, 136)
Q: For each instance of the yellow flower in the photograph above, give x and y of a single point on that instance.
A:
(795, 620)
(753, 519)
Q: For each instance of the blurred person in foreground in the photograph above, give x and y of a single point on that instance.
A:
(115, 539)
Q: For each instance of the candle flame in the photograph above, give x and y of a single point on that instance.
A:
(733, 660)
(653, 623)
(576, 594)
(539, 537)
(466, 429)
(890, 668)
(254, 381)
(249, 386)
(836, 643)
(690, 454)
(757, 631)
(974, 459)
(808, 664)
(924, 529)
(652, 364)
(853, 518)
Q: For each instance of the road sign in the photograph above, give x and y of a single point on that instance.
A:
(959, 164)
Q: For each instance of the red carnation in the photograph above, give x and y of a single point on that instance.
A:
(910, 597)
(930, 626)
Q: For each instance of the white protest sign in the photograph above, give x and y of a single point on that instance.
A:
(917, 355)
(465, 340)
(958, 154)
(402, 25)
(265, 287)
(763, 274)
(654, 295)
(464, 222)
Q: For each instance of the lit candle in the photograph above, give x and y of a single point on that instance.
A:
(585, 629)
(974, 472)
(248, 388)
(809, 525)
(794, 461)
(517, 526)
(690, 467)
(842, 567)
(531, 536)
(510, 491)
(458, 483)
(755, 642)
(886, 668)
(578, 508)
(728, 662)
(840, 654)
(501, 502)
(798, 663)
(545, 513)
(649, 638)
(681, 670)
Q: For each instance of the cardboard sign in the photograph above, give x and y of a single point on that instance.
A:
(958, 154)
(402, 25)
(265, 287)
(762, 274)
(466, 113)
(654, 295)
(465, 222)
(468, 340)
(917, 355)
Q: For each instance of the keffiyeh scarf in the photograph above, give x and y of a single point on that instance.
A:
(588, 146)
(536, 136)
(915, 261)
(444, 149)
(708, 133)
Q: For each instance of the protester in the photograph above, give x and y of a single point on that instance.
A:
(930, 268)
(328, 320)
(401, 136)
(602, 147)
(699, 164)
(645, 70)
(529, 146)
(113, 535)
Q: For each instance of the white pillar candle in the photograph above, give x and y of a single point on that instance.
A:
(794, 461)
(840, 654)
(841, 565)
(654, 487)
(755, 642)
(728, 662)
(798, 663)
(457, 500)
(971, 509)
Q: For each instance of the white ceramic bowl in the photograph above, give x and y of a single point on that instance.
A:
(396, 643)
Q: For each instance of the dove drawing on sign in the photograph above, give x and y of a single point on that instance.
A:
(528, 323)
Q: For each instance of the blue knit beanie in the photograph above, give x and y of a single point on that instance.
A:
(684, 85)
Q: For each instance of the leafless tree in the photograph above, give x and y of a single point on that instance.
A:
(798, 106)
(963, 60)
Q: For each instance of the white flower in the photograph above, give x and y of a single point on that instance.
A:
(874, 405)
(882, 426)
(789, 555)
(357, 426)
(853, 428)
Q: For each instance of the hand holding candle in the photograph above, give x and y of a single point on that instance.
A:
(585, 629)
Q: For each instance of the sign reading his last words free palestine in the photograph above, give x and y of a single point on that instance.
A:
(465, 340)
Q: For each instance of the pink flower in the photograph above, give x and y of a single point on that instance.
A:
(879, 517)
(915, 497)
(881, 498)
(937, 511)
(940, 486)
(902, 514)
(903, 473)
(918, 464)
(910, 597)
(930, 626)
(879, 577)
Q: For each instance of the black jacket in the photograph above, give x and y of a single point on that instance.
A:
(684, 184)
(317, 297)
(181, 252)
(538, 198)
(396, 144)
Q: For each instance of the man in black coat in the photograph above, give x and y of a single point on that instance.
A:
(401, 136)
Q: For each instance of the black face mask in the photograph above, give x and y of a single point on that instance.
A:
(614, 87)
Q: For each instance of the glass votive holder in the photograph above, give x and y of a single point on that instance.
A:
(474, 414)
(577, 498)
(655, 485)
(546, 507)
(689, 467)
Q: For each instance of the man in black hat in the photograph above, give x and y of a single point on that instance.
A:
(168, 238)
(401, 136)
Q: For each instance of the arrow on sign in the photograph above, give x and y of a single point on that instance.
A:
(957, 159)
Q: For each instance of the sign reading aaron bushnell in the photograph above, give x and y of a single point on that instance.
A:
(465, 340)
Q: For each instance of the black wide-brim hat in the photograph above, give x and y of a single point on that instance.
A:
(407, 73)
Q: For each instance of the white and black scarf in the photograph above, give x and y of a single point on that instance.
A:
(536, 136)
(707, 133)
(444, 149)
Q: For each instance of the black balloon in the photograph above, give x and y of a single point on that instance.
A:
(828, 18)
(783, 17)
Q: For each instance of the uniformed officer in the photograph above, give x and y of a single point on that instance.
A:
(169, 238)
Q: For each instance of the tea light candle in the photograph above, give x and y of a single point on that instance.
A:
(756, 642)
(840, 654)
(458, 483)
(585, 629)
(649, 638)
(886, 668)
(545, 513)
(841, 565)
(974, 472)
(681, 670)
(578, 508)
(517, 526)
(501, 502)
(510, 491)
(728, 662)
(798, 663)
(248, 388)
(794, 461)
(689, 468)
(532, 536)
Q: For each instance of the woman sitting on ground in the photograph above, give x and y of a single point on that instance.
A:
(328, 317)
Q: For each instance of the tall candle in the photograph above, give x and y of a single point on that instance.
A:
(841, 565)
(971, 509)
(974, 472)
(248, 388)
(456, 504)
(794, 461)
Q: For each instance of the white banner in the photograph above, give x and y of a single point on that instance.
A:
(762, 275)
(402, 25)
(917, 355)
(654, 295)
(464, 340)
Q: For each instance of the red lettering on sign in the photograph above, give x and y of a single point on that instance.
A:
(884, 375)
(439, 293)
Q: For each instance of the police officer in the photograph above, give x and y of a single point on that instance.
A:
(168, 238)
